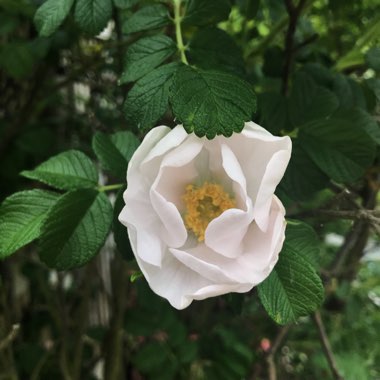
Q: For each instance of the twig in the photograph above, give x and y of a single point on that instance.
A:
(10, 337)
(271, 355)
(352, 249)
(294, 13)
(371, 216)
(306, 42)
(326, 346)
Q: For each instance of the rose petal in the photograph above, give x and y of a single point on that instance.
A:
(272, 176)
(178, 170)
(171, 140)
(145, 242)
(263, 159)
(262, 248)
(220, 289)
(225, 233)
(151, 139)
(210, 271)
(174, 281)
(173, 229)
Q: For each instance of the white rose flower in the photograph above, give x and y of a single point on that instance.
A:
(201, 214)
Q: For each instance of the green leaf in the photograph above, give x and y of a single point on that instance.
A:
(309, 101)
(213, 48)
(206, 12)
(348, 92)
(50, 15)
(75, 229)
(293, 289)
(93, 15)
(20, 59)
(249, 8)
(373, 58)
(150, 17)
(340, 146)
(66, 171)
(211, 103)
(302, 178)
(124, 4)
(301, 238)
(21, 218)
(115, 151)
(273, 111)
(145, 55)
(365, 121)
(373, 84)
(148, 100)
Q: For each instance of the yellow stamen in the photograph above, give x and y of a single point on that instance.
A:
(203, 204)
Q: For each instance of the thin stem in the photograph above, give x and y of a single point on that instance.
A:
(10, 337)
(272, 372)
(178, 32)
(294, 13)
(326, 346)
(111, 187)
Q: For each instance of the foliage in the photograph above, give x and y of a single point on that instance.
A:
(82, 81)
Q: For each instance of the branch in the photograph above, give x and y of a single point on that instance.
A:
(10, 337)
(326, 346)
(352, 249)
(271, 355)
(294, 13)
(372, 216)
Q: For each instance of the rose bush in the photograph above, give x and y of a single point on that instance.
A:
(201, 214)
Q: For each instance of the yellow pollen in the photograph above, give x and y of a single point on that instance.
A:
(203, 204)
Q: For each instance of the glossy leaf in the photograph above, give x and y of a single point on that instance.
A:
(150, 17)
(93, 15)
(211, 103)
(50, 15)
(206, 12)
(148, 100)
(115, 151)
(145, 55)
(66, 171)
(21, 217)
(75, 229)
(293, 289)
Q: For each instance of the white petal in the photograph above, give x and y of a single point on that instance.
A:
(202, 259)
(145, 242)
(174, 281)
(219, 289)
(171, 140)
(199, 264)
(272, 176)
(262, 248)
(139, 214)
(150, 140)
(225, 233)
(177, 170)
(165, 187)
(263, 159)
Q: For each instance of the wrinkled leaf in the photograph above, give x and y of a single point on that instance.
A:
(21, 218)
(211, 103)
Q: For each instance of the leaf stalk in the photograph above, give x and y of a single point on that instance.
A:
(178, 32)
(110, 187)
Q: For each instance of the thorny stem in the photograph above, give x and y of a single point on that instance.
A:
(178, 32)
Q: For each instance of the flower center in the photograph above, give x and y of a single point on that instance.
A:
(203, 204)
